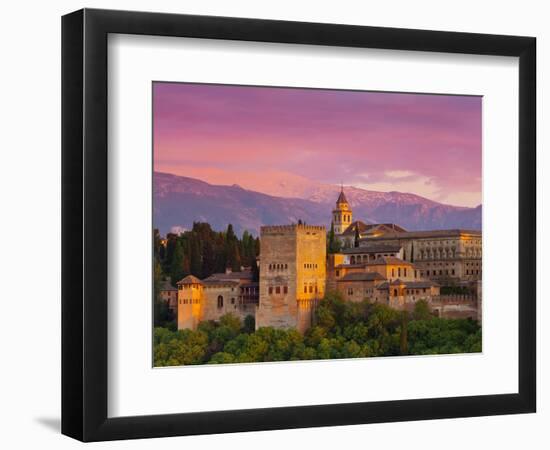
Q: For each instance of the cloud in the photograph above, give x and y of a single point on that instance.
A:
(396, 174)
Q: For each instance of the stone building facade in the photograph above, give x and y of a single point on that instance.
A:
(449, 257)
(389, 280)
(391, 266)
(292, 275)
(169, 295)
(219, 294)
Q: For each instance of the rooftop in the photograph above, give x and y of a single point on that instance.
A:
(389, 260)
(189, 279)
(342, 197)
(371, 247)
(456, 232)
(165, 285)
(365, 228)
(243, 275)
(362, 276)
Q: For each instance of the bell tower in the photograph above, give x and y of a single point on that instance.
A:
(342, 215)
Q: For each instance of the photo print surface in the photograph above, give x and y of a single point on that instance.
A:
(312, 224)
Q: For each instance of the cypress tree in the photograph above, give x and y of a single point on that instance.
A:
(176, 267)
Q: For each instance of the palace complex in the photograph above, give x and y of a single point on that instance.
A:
(379, 262)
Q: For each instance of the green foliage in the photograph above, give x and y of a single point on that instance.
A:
(436, 336)
(333, 244)
(177, 271)
(249, 324)
(163, 316)
(341, 330)
(455, 290)
(202, 252)
(422, 311)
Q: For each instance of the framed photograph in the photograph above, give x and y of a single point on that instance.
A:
(272, 224)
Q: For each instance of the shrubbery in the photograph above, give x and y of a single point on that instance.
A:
(340, 330)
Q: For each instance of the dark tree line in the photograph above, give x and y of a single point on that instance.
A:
(203, 251)
(340, 330)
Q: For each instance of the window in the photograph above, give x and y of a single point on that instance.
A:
(395, 292)
(405, 272)
(337, 273)
(393, 272)
(232, 301)
(310, 289)
(305, 289)
(285, 290)
(399, 271)
(350, 291)
(270, 290)
(278, 290)
(220, 301)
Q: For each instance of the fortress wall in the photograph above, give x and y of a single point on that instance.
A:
(277, 269)
(293, 265)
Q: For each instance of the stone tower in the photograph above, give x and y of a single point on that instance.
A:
(292, 275)
(190, 302)
(342, 215)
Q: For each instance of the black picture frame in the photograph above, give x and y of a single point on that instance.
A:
(84, 224)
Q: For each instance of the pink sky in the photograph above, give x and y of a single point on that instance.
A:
(429, 145)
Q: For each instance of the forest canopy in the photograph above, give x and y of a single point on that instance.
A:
(340, 330)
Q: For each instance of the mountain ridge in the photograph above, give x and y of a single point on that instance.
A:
(179, 201)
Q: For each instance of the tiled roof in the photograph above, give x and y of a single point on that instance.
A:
(362, 276)
(190, 279)
(421, 284)
(348, 266)
(386, 228)
(167, 286)
(425, 234)
(218, 282)
(342, 197)
(389, 260)
(372, 248)
(244, 275)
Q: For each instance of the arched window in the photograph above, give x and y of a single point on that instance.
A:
(220, 301)
(353, 259)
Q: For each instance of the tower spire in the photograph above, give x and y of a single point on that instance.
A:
(342, 214)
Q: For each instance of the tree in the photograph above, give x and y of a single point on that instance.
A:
(422, 310)
(176, 267)
(357, 236)
(255, 271)
(333, 244)
(196, 256)
(249, 324)
(163, 316)
(404, 343)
